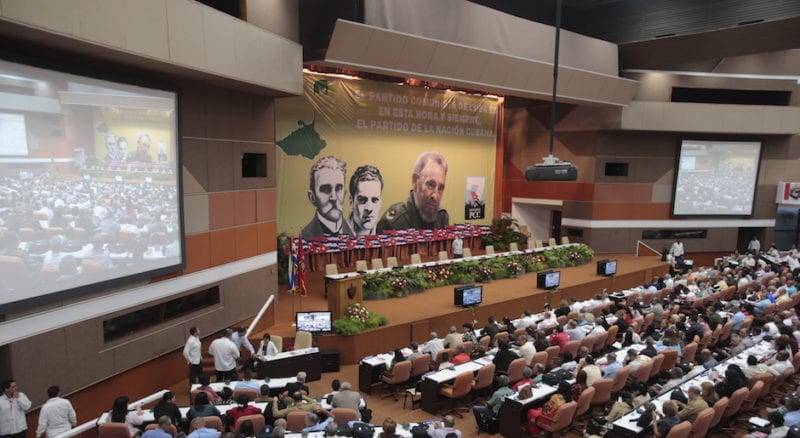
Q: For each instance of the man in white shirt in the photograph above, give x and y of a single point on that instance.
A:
(56, 416)
(527, 319)
(13, 405)
(754, 246)
(782, 363)
(458, 247)
(526, 349)
(193, 355)
(575, 333)
(677, 251)
(225, 355)
(434, 345)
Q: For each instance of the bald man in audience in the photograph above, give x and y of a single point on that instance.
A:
(434, 345)
(198, 429)
(695, 405)
(453, 338)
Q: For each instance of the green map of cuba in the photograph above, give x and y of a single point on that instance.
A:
(304, 141)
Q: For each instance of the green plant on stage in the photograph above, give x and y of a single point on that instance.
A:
(504, 232)
(357, 319)
(401, 282)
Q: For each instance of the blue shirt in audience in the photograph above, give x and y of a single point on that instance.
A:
(791, 418)
(611, 370)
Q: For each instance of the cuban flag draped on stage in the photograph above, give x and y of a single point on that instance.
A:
(296, 269)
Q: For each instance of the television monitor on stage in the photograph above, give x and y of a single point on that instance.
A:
(548, 279)
(314, 322)
(468, 296)
(607, 268)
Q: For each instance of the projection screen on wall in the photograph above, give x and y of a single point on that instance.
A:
(89, 193)
(716, 178)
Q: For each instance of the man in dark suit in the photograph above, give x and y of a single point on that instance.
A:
(326, 192)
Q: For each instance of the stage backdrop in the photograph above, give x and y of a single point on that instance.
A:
(377, 130)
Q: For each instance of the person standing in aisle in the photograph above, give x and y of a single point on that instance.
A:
(13, 405)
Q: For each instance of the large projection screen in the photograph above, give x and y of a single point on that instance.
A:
(716, 178)
(90, 194)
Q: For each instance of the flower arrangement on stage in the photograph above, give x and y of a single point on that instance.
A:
(357, 319)
(400, 282)
(483, 273)
(358, 312)
(439, 274)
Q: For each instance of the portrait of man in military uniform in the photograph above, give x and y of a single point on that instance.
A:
(366, 187)
(326, 193)
(422, 207)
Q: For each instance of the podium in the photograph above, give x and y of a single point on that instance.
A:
(342, 292)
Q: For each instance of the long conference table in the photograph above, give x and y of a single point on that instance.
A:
(289, 363)
(333, 277)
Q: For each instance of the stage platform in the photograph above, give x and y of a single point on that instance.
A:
(415, 316)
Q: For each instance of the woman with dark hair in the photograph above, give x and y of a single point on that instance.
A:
(243, 408)
(577, 388)
(734, 379)
(132, 419)
(670, 419)
(630, 337)
(545, 413)
(166, 406)
(540, 341)
(246, 429)
(205, 385)
(398, 357)
(202, 408)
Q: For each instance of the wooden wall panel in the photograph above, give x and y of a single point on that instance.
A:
(244, 205)
(246, 241)
(266, 205)
(267, 237)
(221, 210)
(222, 244)
(198, 252)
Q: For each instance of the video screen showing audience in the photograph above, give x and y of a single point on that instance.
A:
(716, 178)
(88, 182)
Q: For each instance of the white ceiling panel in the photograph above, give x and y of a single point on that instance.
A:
(383, 49)
(415, 55)
(377, 50)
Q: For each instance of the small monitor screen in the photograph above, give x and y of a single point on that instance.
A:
(607, 267)
(467, 296)
(552, 280)
(314, 322)
(610, 268)
(548, 279)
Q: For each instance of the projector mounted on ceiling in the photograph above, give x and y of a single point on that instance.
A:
(552, 169)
